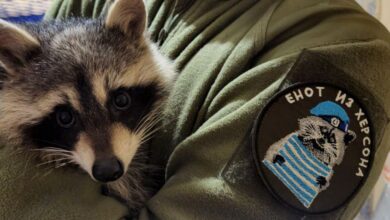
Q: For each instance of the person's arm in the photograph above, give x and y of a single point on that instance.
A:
(233, 57)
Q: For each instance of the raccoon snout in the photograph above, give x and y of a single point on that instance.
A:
(321, 141)
(107, 170)
(318, 144)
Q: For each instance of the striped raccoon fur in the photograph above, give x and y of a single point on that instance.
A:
(85, 92)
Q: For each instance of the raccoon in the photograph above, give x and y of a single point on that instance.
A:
(86, 93)
(323, 140)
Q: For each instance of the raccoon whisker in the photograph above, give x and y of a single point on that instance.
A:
(55, 154)
(48, 172)
(53, 161)
(52, 157)
(49, 150)
(55, 151)
(152, 123)
(49, 155)
(148, 135)
(52, 143)
(52, 151)
(56, 160)
(50, 168)
(61, 165)
(45, 163)
(143, 121)
(149, 120)
(150, 128)
(144, 126)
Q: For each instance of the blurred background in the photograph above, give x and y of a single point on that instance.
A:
(379, 9)
(23, 10)
(33, 10)
(377, 207)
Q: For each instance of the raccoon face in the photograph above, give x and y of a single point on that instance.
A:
(326, 142)
(87, 92)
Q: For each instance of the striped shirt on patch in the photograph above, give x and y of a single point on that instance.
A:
(300, 170)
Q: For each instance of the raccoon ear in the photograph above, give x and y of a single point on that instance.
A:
(129, 16)
(349, 137)
(16, 45)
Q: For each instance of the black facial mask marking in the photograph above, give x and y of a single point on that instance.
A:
(48, 133)
(94, 120)
(142, 99)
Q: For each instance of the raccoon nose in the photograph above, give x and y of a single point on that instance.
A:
(107, 170)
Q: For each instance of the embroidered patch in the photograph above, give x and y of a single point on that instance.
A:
(313, 146)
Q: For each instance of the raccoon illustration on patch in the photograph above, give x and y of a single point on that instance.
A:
(304, 159)
(87, 93)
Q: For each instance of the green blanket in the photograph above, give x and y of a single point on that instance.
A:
(232, 56)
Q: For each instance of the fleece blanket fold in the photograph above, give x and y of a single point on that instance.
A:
(31, 191)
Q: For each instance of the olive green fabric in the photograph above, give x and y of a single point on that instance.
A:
(31, 191)
(75, 8)
(232, 57)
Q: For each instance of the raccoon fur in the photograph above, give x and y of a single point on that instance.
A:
(86, 93)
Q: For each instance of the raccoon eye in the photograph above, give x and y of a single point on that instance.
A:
(332, 139)
(122, 100)
(324, 130)
(65, 118)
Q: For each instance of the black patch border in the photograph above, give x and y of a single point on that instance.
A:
(260, 169)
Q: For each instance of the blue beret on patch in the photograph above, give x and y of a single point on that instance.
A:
(328, 110)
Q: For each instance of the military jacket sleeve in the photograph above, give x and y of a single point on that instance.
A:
(234, 58)
(250, 71)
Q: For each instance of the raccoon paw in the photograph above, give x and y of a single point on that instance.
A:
(279, 159)
(321, 181)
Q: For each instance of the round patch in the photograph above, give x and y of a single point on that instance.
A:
(313, 145)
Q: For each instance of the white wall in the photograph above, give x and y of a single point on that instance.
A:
(378, 8)
(385, 13)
